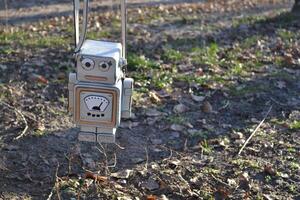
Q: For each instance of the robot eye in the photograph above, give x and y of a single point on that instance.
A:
(87, 64)
(104, 66)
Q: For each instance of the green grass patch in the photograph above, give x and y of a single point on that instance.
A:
(295, 125)
(248, 89)
(172, 55)
(206, 55)
(27, 39)
(176, 119)
(140, 63)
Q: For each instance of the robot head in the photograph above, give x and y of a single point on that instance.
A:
(99, 62)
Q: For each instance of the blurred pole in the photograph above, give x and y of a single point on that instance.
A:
(6, 14)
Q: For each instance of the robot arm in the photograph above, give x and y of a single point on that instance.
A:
(127, 98)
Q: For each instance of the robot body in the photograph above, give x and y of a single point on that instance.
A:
(99, 94)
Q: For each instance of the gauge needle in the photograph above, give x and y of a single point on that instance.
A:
(98, 107)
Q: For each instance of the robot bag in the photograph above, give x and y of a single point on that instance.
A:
(99, 93)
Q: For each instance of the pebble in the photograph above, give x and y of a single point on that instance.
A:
(137, 160)
(153, 113)
(197, 98)
(177, 127)
(236, 135)
(180, 108)
(174, 135)
(156, 141)
(150, 184)
(124, 174)
(240, 142)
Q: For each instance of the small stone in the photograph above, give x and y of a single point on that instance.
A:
(152, 120)
(207, 107)
(154, 166)
(124, 174)
(184, 68)
(236, 135)
(174, 135)
(126, 124)
(153, 113)
(180, 108)
(177, 127)
(150, 184)
(284, 175)
(189, 125)
(3, 67)
(197, 98)
(156, 141)
(240, 142)
(137, 160)
(279, 181)
(90, 163)
(231, 182)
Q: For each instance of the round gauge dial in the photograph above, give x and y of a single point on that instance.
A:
(96, 103)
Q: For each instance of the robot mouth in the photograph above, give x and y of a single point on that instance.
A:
(95, 78)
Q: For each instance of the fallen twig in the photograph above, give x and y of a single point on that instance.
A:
(22, 116)
(55, 187)
(147, 158)
(119, 146)
(220, 181)
(256, 129)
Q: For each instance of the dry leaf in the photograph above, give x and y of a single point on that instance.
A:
(151, 197)
(207, 107)
(39, 78)
(95, 177)
(289, 59)
(269, 170)
(154, 97)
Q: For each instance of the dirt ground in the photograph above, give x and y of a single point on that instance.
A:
(207, 74)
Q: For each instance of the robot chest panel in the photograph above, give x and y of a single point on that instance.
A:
(96, 106)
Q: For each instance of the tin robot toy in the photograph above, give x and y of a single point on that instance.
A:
(99, 93)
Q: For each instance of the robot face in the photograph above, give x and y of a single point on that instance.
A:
(96, 69)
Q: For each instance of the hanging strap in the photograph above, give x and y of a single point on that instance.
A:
(79, 38)
(124, 27)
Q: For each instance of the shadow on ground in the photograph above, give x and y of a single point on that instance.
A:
(28, 165)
